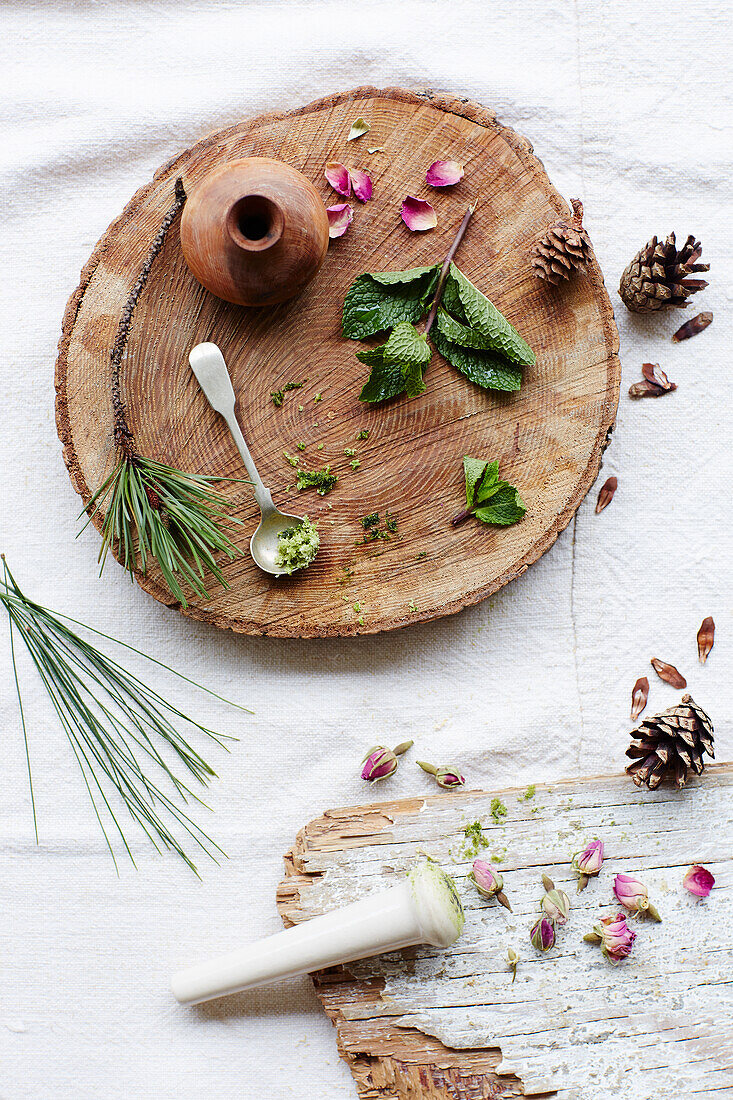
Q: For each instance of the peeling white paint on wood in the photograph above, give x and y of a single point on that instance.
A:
(658, 1025)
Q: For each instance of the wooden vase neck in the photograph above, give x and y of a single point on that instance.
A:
(255, 223)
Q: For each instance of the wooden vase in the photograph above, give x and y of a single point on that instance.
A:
(254, 231)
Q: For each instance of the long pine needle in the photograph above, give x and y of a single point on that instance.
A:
(120, 730)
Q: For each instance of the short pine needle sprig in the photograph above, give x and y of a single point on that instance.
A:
(152, 510)
(118, 729)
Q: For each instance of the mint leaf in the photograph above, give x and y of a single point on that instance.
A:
(487, 498)
(474, 470)
(377, 301)
(397, 365)
(482, 315)
(504, 508)
(385, 381)
(485, 368)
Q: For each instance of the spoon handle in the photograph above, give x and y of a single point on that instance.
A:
(207, 363)
(263, 496)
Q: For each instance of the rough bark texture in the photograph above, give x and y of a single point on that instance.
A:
(549, 438)
(452, 1025)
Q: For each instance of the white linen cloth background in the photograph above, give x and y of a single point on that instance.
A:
(628, 106)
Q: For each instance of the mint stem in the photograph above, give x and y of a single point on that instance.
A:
(461, 517)
(446, 267)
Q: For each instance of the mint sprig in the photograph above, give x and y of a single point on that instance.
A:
(488, 498)
(470, 332)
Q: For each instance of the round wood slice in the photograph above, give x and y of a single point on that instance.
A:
(548, 438)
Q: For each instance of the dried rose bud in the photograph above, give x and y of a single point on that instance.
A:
(588, 863)
(705, 638)
(489, 882)
(653, 373)
(634, 896)
(444, 173)
(614, 936)
(639, 697)
(542, 935)
(379, 763)
(512, 958)
(556, 905)
(418, 215)
(699, 881)
(668, 673)
(605, 496)
(447, 776)
(695, 324)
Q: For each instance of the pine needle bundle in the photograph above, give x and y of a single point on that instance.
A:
(121, 731)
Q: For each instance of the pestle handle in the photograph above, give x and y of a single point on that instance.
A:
(423, 908)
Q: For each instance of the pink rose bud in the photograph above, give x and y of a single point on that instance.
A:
(418, 215)
(444, 173)
(378, 764)
(449, 778)
(486, 879)
(339, 178)
(614, 936)
(362, 184)
(542, 935)
(556, 905)
(340, 218)
(588, 863)
(699, 881)
(634, 896)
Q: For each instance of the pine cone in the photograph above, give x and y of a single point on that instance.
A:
(671, 745)
(563, 247)
(657, 275)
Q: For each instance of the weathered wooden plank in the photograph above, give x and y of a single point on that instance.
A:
(452, 1024)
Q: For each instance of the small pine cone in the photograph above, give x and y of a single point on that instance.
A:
(670, 745)
(563, 248)
(657, 276)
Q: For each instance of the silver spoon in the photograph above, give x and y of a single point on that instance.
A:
(207, 363)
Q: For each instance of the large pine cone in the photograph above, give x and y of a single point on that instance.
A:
(657, 276)
(562, 248)
(670, 745)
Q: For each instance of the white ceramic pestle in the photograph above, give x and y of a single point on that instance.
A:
(422, 908)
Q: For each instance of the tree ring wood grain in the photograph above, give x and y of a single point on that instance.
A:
(549, 438)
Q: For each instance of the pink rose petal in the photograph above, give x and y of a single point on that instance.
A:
(699, 881)
(444, 173)
(362, 184)
(339, 218)
(418, 215)
(338, 176)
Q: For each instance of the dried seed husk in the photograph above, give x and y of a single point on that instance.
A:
(654, 373)
(668, 673)
(639, 697)
(605, 496)
(646, 389)
(695, 324)
(705, 638)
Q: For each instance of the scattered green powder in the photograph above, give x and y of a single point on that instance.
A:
(300, 408)
(363, 434)
(322, 481)
(528, 794)
(355, 464)
(498, 809)
(317, 398)
(349, 452)
(390, 522)
(297, 546)
(475, 839)
(300, 446)
(413, 608)
(360, 620)
(278, 396)
(292, 459)
(370, 521)
(357, 607)
(319, 447)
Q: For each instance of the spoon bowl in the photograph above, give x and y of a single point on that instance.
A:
(207, 363)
